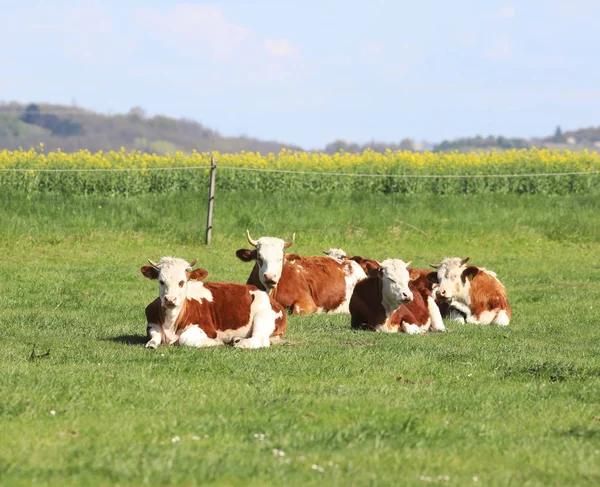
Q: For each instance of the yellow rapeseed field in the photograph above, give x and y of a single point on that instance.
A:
(390, 162)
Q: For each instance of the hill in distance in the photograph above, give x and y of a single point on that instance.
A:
(72, 128)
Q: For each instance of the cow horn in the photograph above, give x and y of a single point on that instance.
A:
(153, 264)
(251, 241)
(409, 263)
(326, 252)
(192, 264)
(435, 266)
(289, 244)
(464, 261)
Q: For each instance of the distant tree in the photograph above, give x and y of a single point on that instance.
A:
(31, 114)
(558, 135)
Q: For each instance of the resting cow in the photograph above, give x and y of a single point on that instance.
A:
(389, 302)
(301, 284)
(197, 314)
(474, 294)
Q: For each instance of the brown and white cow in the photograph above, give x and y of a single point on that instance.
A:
(197, 314)
(389, 302)
(474, 294)
(301, 284)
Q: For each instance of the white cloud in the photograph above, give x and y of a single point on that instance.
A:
(200, 30)
(506, 12)
(282, 48)
(501, 49)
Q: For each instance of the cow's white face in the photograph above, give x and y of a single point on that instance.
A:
(269, 258)
(395, 278)
(173, 275)
(449, 276)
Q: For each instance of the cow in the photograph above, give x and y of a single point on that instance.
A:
(475, 294)
(301, 284)
(197, 314)
(389, 302)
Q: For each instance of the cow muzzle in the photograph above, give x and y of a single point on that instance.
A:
(170, 302)
(270, 280)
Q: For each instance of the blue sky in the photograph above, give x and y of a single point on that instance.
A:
(308, 72)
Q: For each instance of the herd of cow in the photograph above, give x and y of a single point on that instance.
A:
(386, 296)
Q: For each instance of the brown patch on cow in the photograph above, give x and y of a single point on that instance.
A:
(414, 312)
(366, 310)
(487, 294)
(307, 284)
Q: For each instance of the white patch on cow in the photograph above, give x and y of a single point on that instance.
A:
(353, 273)
(437, 324)
(155, 332)
(198, 291)
(337, 254)
(502, 318)
(262, 321)
(194, 336)
(484, 318)
(230, 335)
(412, 329)
(395, 279)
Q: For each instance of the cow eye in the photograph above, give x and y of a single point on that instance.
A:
(181, 283)
(162, 283)
(260, 261)
(391, 280)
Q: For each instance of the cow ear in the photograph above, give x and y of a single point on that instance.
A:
(150, 272)
(372, 266)
(375, 271)
(469, 273)
(414, 274)
(246, 255)
(433, 277)
(197, 274)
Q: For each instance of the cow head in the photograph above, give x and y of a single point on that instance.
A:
(269, 255)
(395, 276)
(452, 276)
(336, 254)
(173, 275)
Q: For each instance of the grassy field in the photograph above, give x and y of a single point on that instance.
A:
(474, 406)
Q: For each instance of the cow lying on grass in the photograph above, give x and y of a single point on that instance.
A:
(389, 302)
(197, 314)
(301, 284)
(475, 294)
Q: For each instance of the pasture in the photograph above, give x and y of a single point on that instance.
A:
(331, 406)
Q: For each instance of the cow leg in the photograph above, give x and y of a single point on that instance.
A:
(436, 317)
(501, 318)
(304, 307)
(194, 336)
(263, 323)
(456, 315)
(411, 329)
(155, 334)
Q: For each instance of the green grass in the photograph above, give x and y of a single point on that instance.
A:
(475, 406)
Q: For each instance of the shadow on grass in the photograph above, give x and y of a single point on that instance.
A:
(129, 339)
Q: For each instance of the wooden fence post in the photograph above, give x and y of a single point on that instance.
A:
(211, 200)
